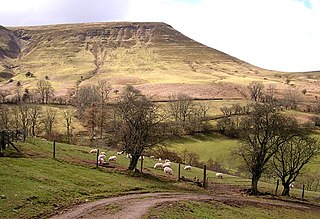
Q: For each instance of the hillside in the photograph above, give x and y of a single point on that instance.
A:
(33, 185)
(153, 56)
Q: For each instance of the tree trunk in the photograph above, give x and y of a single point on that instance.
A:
(133, 161)
(254, 184)
(286, 189)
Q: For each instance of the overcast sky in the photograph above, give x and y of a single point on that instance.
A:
(274, 34)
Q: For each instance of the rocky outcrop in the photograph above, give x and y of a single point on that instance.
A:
(9, 45)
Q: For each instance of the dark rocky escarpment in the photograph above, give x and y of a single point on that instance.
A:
(9, 45)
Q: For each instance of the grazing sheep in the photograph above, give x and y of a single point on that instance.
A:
(188, 167)
(159, 159)
(158, 166)
(120, 152)
(219, 175)
(141, 157)
(168, 170)
(102, 156)
(291, 186)
(112, 158)
(129, 156)
(93, 151)
(101, 161)
(167, 164)
(166, 161)
(151, 157)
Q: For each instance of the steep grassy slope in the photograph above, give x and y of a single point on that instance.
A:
(153, 56)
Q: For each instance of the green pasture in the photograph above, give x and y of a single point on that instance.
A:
(214, 209)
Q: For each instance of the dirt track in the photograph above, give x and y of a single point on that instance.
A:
(135, 206)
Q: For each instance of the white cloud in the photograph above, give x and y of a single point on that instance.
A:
(273, 34)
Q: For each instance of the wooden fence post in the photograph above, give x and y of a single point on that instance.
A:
(97, 163)
(302, 192)
(204, 175)
(277, 186)
(54, 149)
(141, 166)
(179, 171)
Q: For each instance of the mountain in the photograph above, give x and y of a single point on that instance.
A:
(152, 56)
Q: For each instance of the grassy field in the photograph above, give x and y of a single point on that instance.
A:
(213, 209)
(35, 184)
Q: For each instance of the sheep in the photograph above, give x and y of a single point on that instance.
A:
(120, 152)
(159, 159)
(219, 175)
(141, 157)
(112, 158)
(158, 165)
(151, 157)
(101, 161)
(102, 156)
(167, 164)
(93, 151)
(103, 153)
(129, 156)
(166, 161)
(188, 167)
(168, 170)
(291, 186)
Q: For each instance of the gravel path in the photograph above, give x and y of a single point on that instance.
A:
(135, 206)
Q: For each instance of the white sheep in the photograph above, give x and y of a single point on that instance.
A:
(167, 164)
(129, 156)
(103, 153)
(120, 152)
(112, 158)
(101, 161)
(219, 175)
(158, 165)
(166, 161)
(291, 186)
(141, 157)
(93, 151)
(159, 159)
(188, 167)
(103, 156)
(151, 157)
(168, 170)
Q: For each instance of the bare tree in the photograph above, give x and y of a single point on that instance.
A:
(68, 115)
(86, 96)
(263, 132)
(22, 120)
(138, 124)
(48, 120)
(187, 114)
(45, 90)
(256, 90)
(291, 157)
(91, 119)
(5, 111)
(19, 91)
(180, 107)
(34, 115)
(291, 98)
(104, 89)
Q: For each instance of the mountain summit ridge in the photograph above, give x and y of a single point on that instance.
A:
(149, 55)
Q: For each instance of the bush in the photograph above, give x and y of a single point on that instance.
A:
(29, 74)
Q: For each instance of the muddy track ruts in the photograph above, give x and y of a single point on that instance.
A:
(136, 205)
